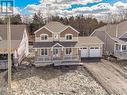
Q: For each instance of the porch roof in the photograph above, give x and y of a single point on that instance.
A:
(51, 44)
(119, 41)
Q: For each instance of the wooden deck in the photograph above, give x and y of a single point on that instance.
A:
(57, 61)
(121, 55)
(67, 63)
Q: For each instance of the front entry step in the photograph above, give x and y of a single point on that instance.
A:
(67, 63)
(57, 63)
(42, 64)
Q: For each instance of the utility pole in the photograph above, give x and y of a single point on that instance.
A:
(9, 11)
(9, 57)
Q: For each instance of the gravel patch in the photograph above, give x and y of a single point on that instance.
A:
(55, 81)
(3, 83)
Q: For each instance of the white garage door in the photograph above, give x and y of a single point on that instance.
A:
(84, 52)
(95, 52)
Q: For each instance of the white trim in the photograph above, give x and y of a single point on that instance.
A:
(42, 48)
(69, 35)
(123, 34)
(41, 29)
(93, 33)
(53, 32)
(69, 27)
(57, 44)
(44, 35)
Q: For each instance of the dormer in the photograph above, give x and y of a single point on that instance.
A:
(43, 35)
(69, 34)
(69, 37)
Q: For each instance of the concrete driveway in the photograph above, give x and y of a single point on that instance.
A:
(111, 76)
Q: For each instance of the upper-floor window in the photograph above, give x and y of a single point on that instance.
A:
(56, 37)
(69, 36)
(44, 37)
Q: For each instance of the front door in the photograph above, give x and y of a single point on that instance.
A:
(56, 52)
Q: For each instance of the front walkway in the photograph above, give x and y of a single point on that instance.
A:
(111, 76)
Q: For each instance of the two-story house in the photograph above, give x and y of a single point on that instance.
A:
(60, 44)
(114, 37)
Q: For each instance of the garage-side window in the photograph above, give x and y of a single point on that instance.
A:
(92, 48)
(83, 48)
(96, 47)
(68, 51)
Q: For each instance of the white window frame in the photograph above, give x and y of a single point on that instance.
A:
(44, 37)
(44, 52)
(124, 48)
(68, 35)
(1, 38)
(117, 47)
(70, 53)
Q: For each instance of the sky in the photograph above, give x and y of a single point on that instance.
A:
(70, 7)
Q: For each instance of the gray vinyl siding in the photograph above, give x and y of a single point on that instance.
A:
(108, 42)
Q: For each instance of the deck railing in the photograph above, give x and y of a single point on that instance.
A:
(3, 61)
(3, 64)
(122, 54)
(43, 59)
(50, 59)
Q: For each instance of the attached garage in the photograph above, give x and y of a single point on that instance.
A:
(84, 52)
(91, 47)
(95, 52)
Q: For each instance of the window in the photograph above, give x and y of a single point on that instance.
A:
(68, 51)
(44, 37)
(44, 52)
(56, 37)
(0, 38)
(69, 37)
(96, 47)
(124, 47)
(92, 48)
(117, 47)
(55, 51)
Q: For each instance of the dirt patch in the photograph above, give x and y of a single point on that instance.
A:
(55, 81)
(110, 75)
(3, 82)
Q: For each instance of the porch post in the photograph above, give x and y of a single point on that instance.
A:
(121, 48)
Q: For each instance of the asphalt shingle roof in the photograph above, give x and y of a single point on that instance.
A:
(111, 29)
(50, 44)
(81, 42)
(16, 32)
(16, 36)
(55, 26)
